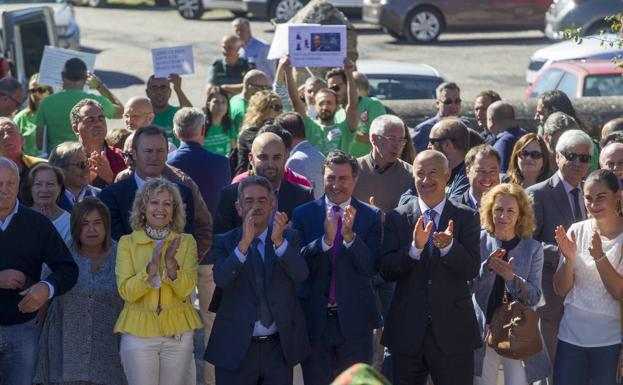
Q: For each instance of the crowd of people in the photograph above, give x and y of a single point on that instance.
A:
(300, 224)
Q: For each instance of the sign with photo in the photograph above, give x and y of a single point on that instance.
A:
(317, 45)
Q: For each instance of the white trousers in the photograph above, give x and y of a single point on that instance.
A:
(514, 372)
(158, 361)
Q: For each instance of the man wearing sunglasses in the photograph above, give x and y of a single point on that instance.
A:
(11, 96)
(159, 93)
(448, 103)
(559, 201)
(502, 124)
(254, 81)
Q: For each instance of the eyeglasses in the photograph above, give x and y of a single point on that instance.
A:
(161, 88)
(447, 102)
(126, 154)
(260, 86)
(530, 154)
(437, 140)
(336, 87)
(38, 90)
(571, 156)
(277, 107)
(81, 165)
(391, 140)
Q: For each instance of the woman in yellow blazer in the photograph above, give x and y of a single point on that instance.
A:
(156, 271)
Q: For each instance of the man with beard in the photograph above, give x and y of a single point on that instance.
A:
(268, 157)
(482, 166)
(327, 132)
(482, 102)
(159, 92)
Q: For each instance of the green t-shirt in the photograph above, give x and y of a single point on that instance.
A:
(237, 108)
(369, 109)
(54, 114)
(164, 119)
(217, 140)
(327, 138)
(25, 120)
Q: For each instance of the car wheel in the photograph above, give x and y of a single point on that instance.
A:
(96, 3)
(394, 34)
(283, 10)
(423, 25)
(190, 9)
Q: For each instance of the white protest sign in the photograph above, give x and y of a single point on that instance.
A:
(173, 60)
(279, 45)
(317, 45)
(54, 60)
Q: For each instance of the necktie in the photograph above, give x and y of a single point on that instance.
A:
(263, 311)
(577, 213)
(430, 216)
(334, 250)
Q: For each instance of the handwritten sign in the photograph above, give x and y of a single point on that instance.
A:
(53, 61)
(173, 60)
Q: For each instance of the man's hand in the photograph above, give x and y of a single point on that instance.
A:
(248, 232)
(98, 163)
(284, 62)
(420, 233)
(12, 279)
(34, 297)
(347, 223)
(330, 227)
(442, 239)
(176, 81)
(279, 224)
(349, 65)
(93, 81)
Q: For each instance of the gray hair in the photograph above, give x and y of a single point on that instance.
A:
(64, 153)
(446, 86)
(433, 154)
(377, 127)
(559, 122)
(9, 85)
(572, 138)
(254, 180)
(74, 114)
(610, 149)
(8, 163)
(187, 122)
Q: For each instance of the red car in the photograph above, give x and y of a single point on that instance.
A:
(579, 78)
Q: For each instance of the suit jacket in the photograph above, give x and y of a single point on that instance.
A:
(226, 218)
(551, 208)
(453, 319)
(355, 268)
(119, 198)
(233, 327)
(65, 204)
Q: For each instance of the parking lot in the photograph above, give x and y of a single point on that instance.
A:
(123, 36)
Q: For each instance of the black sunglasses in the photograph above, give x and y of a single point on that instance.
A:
(38, 90)
(531, 154)
(335, 87)
(438, 140)
(571, 156)
(277, 107)
(447, 102)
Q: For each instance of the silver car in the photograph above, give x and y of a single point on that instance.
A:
(572, 14)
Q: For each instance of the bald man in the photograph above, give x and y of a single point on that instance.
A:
(611, 158)
(611, 126)
(268, 157)
(431, 249)
(229, 70)
(502, 124)
(253, 82)
(138, 112)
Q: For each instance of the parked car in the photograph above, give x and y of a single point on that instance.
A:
(593, 47)
(279, 10)
(103, 3)
(64, 18)
(391, 80)
(580, 78)
(586, 14)
(422, 21)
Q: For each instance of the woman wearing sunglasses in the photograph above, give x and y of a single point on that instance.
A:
(25, 119)
(529, 162)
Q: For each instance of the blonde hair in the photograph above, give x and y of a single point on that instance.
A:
(154, 186)
(259, 104)
(525, 222)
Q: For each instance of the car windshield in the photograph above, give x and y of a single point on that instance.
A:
(603, 85)
(392, 87)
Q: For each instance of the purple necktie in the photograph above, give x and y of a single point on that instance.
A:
(334, 250)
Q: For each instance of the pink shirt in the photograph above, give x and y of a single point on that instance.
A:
(289, 175)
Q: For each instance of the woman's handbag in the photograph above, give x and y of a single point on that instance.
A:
(514, 330)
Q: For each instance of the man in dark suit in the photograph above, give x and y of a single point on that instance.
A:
(559, 201)
(482, 167)
(259, 333)
(341, 239)
(149, 148)
(431, 248)
(268, 157)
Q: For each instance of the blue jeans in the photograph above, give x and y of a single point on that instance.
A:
(576, 365)
(19, 345)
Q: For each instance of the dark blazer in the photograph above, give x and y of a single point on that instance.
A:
(355, 268)
(65, 204)
(226, 218)
(210, 171)
(119, 198)
(453, 318)
(233, 327)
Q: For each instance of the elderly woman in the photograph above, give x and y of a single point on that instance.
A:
(25, 119)
(589, 276)
(529, 162)
(71, 158)
(220, 136)
(77, 346)
(512, 263)
(263, 106)
(46, 183)
(156, 272)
